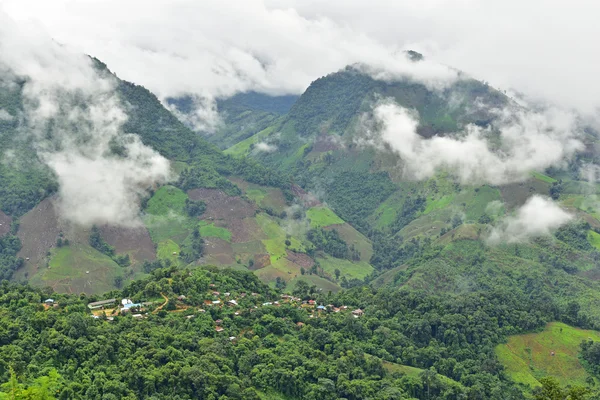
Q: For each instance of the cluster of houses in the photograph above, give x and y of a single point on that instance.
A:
(127, 306)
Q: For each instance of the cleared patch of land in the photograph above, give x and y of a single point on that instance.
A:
(133, 241)
(5, 222)
(210, 230)
(347, 268)
(528, 357)
(353, 237)
(78, 268)
(38, 231)
(322, 216)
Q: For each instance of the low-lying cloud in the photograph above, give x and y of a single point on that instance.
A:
(265, 147)
(75, 120)
(517, 143)
(539, 216)
(5, 115)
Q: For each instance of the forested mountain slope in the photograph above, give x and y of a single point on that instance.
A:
(181, 342)
(219, 210)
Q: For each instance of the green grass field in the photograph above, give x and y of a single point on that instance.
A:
(166, 249)
(415, 372)
(319, 282)
(542, 177)
(322, 216)
(210, 230)
(69, 267)
(161, 228)
(242, 148)
(528, 357)
(437, 204)
(594, 239)
(167, 199)
(347, 268)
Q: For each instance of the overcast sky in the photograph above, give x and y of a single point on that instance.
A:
(546, 49)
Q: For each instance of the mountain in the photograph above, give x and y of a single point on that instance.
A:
(240, 116)
(351, 275)
(221, 210)
(433, 234)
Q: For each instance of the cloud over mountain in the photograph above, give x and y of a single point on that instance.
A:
(517, 143)
(75, 121)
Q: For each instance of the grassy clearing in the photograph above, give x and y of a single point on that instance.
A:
(594, 239)
(528, 357)
(480, 201)
(321, 283)
(257, 195)
(161, 228)
(242, 148)
(437, 204)
(543, 178)
(353, 237)
(166, 249)
(322, 216)
(68, 269)
(347, 268)
(167, 199)
(275, 244)
(415, 372)
(210, 230)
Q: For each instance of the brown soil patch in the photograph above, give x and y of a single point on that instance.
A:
(325, 143)
(5, 222)
(516, 194)
(593, 274)
(218, 250)
(308, 200)
(300, 259)
(221, 206)
(246, 230)
(38, 231)
(134, 241)
(261, 261)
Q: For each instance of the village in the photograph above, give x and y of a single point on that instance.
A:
(110, 308)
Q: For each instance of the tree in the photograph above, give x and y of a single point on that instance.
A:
(337, 273)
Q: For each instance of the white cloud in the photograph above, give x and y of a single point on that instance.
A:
(265, 147)
(539, 216)
(518, 143)
(74, 117)
(5, 115)
(220, 47)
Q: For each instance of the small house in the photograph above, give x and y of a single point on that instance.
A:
(217, 302)
(219, 328)
(358, 312)
(299, 324)
(242, 294)
(190, 317)
(101, 304)
(236, 313)
(232, 303)
(212, 285)
(219, 321)
(232, 338)
(49, 301)
(124, 302)
(137, 315)
(227, 294)
(311, 302)
(215, 293)
(321, 308)
(268, 303)
(181, 298)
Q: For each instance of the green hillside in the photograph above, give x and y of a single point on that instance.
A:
(552, 352)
